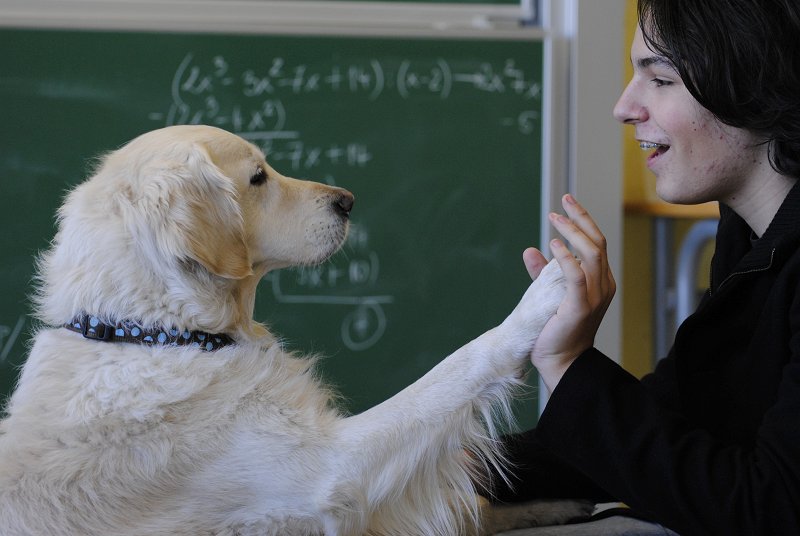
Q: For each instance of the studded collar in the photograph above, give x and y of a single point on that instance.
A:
(93, 328)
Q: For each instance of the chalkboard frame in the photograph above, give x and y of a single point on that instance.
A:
(279, 17)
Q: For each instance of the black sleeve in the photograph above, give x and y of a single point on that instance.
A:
(605, 423)
(536, 473)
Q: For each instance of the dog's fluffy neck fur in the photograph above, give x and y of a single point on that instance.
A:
(181, 293)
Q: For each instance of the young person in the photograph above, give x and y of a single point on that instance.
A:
(710, 442)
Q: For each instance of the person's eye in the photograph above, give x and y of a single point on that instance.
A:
(660, 82)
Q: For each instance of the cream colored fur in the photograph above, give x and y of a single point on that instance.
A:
(127, 439)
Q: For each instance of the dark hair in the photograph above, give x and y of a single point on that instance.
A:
(740, 59)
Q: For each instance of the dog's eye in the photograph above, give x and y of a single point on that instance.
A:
(260, 177)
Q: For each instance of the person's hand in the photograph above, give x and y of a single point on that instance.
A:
(590, 289)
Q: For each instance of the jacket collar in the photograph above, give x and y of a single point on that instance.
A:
(735, 254)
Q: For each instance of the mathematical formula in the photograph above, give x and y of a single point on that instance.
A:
(198, 77)
(211, 91)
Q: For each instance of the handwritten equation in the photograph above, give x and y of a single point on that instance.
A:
(199, 87)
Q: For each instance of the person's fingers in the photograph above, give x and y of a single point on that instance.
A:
(583, 220)
(581, 243)
(596, 253)
(592, 255)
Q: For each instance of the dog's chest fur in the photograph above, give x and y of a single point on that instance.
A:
(125, 417)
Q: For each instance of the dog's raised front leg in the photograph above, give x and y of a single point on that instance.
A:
(401, 465)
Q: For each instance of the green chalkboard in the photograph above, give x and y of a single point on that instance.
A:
(440, 141)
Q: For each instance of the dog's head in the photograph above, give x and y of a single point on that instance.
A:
(210, 196)
(199, 210)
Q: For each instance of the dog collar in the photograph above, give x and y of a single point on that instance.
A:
(92, 328)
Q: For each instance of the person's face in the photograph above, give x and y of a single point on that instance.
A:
(697, 158)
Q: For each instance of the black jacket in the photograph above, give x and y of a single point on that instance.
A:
(710, 442)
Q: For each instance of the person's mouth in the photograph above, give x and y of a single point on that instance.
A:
(660, 149)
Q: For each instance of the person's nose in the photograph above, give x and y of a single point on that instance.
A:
(629, 109)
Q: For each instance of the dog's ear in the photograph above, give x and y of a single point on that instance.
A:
(194, 211)
(214, 230)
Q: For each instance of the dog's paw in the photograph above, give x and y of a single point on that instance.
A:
(550, 284)
(539, 303)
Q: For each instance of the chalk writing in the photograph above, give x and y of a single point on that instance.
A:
(9, 336)
(363, 327)
(369, 77)
(212, 91)
(356, 272)
(298, 155)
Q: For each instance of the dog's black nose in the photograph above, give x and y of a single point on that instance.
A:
(344, 203)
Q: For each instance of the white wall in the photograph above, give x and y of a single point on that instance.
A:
(588, 46)
(586, 51)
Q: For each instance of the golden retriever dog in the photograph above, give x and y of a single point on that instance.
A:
(153, 403)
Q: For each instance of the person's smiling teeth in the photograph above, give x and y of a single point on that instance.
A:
(647, 145)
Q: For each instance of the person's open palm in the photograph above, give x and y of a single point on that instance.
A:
(590, 289)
